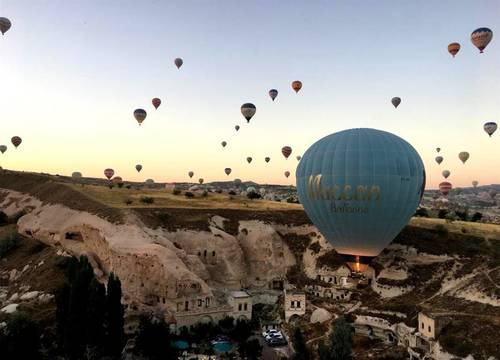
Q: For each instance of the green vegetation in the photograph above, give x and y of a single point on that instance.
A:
(147, 199)
(8, 242)
(189, 194)
(154, 340)
(340, 344)
(89, 320)
(176, 191)
(20, 339)
(253, 195)
(302, 352)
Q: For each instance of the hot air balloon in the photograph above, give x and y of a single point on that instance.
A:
(3, 148)
(109, 173)
(481, 38)
(227, 171)
(287, 173)
(298, 157)
(117, 180)
(249, 159)
(396, 101)
(493, 193)
(296, 85)
(267, 159)
(446, 173)
(223, 144)
(237, 127)
(273, 93)
(248, 110)
(262, 191)
(445, 188)
(156, 102)
(490, 128)
(76, 175)
(237, 182)
(16, 141)
(439, 159)
(454, 48)
(360, 187)
(464, 155)
(140, 115)
(250, 189)
(438, 149)
(138, 167)
(191, 173)
(149, 181)
(5, 25)
(475, 183)
(178, 62)
(286, 151)
(200, 180)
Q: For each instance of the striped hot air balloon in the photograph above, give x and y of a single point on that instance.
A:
(5, 25)
(273, 93)
(445, 188)
(16, 141)
(296, 85)
(140, 115)
(481, 37)
(156, 103)
(178, 62)
(248, 111)
(109, 173)
(286, 151)
(490, 128)
(454, 48)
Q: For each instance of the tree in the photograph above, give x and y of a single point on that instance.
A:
(154, 339)
(341, 340)
(96, 315)
(242, 331)
(442, 213)
(114, 316)
(21, 339)
(421, 212)
(477, 216)
(251, 349)
(253, 195)
(299, 344)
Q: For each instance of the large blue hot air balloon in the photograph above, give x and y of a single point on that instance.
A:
(360, 187)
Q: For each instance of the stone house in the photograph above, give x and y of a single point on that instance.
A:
(294, 303)
(241, 303)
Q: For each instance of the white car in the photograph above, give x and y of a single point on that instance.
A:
(278, 336)
(270, 332)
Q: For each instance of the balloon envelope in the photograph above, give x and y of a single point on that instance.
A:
(287, 173)
(200, 180)
(76, 175)
(140, 115)
(227, 171)
(248, 111)
(360, 187)
(267, 159)
(481, 38)
(273, 93)
(191, 173)
(178, 62)
(446, 173)
(438, 149)
(475, 183)
(297, 85)
(463, 156)
(156, 102)
(237, 127)
(490, 127)
(223, 144)
(16, 141)
(454, 48)
(249, 159)
(439, 159)
(138, 167)
(396, 101)
(3, 148)
(286, 151)
(445, 188)
(5, 25)
(109, 173)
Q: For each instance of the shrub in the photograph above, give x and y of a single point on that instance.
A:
(8, 242)
(231, 192)
(147, 200)
(422, 212)
(476, 217)
(204, 193)
(253, 195)
(128, 186)
(441, 230)
(442, 213)
(163, 215)
(218, 191)
(128, 201)
(189, 194)
(176, 191)
(3, 218)
(120, 185)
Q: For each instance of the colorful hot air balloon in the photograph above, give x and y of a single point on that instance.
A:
(454, 48)
(286, 151)
(287, 174)
(396, 101)
(490, 128)
(446, 173)
(109, 173)
(227, 171)
(439, 159)
(296, 85)
(140, 115)
(475, 183)
(16, 141)
(3, 148)
(5, 25)
(267, 159)
(117, 180)
(200, 180)
(178, 62)
(463, 156)
(249, 159)
(237, 127)
(156, 102)
(438, 149)
(76, 175)
(138, 167)
(445, 187)
(223, 144)
(481, 38)
(191, 173)
(298, 157)
(248, 110)
(273, 93)
(360, 187)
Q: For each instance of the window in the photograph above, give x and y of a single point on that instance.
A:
(429, 329)
(200, 302)
(205, 253)
(213, 253)
(245, 306)
(292, 304)
(163, 300)
(207, 301)
(422, 325)
(239, 307)
(186, 305)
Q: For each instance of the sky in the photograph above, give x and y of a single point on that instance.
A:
(72, 73)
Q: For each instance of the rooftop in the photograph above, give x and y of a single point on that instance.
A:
(239, 294)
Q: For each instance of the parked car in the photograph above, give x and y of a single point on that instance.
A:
(270, 332)
(277, 341)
